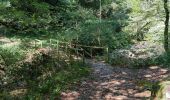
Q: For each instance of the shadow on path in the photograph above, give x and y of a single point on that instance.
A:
(114, 83)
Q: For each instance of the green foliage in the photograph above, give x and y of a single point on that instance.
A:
(64, 21)
(108, 31)
(32, 6)
(91, 33)
(11, 55)
(42, 75)
(56, 82)
(136, 5)
(95, 4)
(163, 60)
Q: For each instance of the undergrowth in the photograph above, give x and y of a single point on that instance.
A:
(42, 78)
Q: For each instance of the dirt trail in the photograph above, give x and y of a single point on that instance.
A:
(115, 83)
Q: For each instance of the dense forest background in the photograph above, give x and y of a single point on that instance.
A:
(115, 24)
(84, 21)
(81, 20)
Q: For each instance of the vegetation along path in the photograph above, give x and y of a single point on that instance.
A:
(115, 83)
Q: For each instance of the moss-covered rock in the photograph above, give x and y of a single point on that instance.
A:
(164, 91)
(127, 58)
(141, 54)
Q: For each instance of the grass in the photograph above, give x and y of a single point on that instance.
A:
(11, 55)
(58, 82)
(48, 86)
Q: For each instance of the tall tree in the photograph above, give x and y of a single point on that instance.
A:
(166, 42)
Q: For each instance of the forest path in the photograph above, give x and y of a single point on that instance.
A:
(115, 83)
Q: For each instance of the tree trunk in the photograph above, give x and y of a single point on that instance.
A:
(166, 42)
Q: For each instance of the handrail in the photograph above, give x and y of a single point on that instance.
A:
(97, 47)
(77, 47)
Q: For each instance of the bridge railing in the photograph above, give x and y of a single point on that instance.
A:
(79, 50)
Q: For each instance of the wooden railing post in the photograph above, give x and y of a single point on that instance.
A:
(108, 56)
(50, 42)
(91, 52)
(76, 51)
(83, 57)
(41, 44)
(66, 48)
(70, 52)
(35, 43)
(58, 49)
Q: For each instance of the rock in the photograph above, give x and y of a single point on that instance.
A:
(143, 94)
(141, 54)
(121, 57)
(164, 91)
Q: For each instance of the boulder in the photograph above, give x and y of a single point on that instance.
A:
(142, 54)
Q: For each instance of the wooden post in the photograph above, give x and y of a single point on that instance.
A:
(66, 51)
(66, 48)
(91, 52)
(76, 53)
(108, 56)
(50, 43)
(83, 57)
(41, 44)
(70, 52)
(75, 49)
(35, 43)
(58, 49)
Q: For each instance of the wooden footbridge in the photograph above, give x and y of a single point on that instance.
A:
(79, 51)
